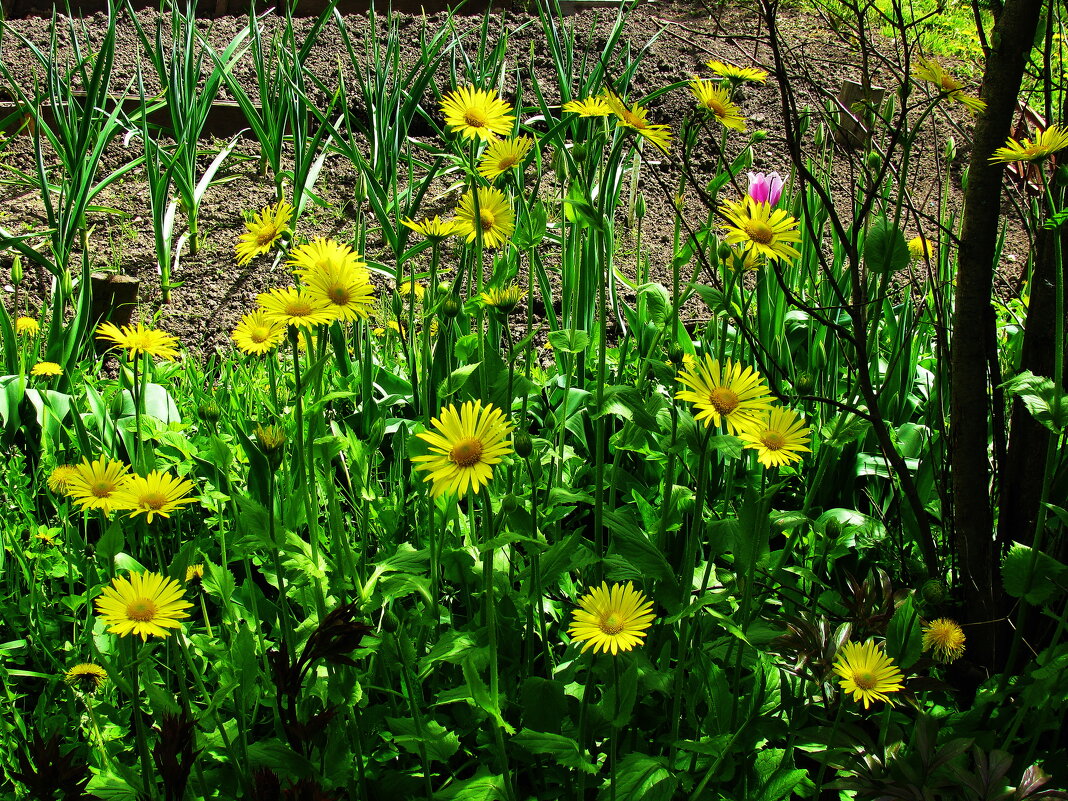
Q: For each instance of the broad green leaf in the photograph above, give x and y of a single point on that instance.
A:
(1033, 576)
(885, 248)
(640, 777)
(544, 704)
(1047, 404)
(570, 341)
(563, 749)
(483, 786)
(439, 742)
(904, 640)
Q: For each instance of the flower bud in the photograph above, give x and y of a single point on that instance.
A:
(758, 136)
(875, 161)
(639, 206)
(676, 355)
(16, 271)
(522, 444)
(804, 383)
(209, 411)
(934, 591)
(66, 284)
(272, 443)
(451, 307)
(951, 149)
(724, 252)
(509, 503)
(820, 136)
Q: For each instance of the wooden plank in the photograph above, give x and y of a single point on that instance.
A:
(855, 118)
(208, 9)
(225, 118)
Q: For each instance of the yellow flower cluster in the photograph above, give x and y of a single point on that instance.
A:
(108, 485)
(736, 397)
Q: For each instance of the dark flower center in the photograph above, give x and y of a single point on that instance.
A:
(759, 231)
(773, 440)
(466, 453)
(474, 118)
(864, 679)
(723, 400)
(141, 610)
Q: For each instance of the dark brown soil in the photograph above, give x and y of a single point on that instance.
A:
(678, 38)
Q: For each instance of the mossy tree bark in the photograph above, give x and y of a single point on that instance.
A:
(973, 330)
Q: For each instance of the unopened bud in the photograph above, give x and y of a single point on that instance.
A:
(934, 591)
(676, 355)
(639, 206)
(759, 136)
(875, 161)
(804, 383)
(724, 252)
(951, 149)
(522, 444)
(451, 307)
(509, 503)
(272, 443)
(209, 412)
(66, 283)
(16, 271)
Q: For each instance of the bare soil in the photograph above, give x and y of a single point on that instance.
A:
(678, 38)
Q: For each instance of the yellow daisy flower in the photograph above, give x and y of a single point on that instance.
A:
(1046, 143)
(735, 395)
(504, 155)
(60, 477)
(322, 255)
(769, 231)
(158, 493)
(737, 74)
(496, 218)
(27, 326)
(346, 290)
(931, 71)
(477, 112)
(266, 228)
(296, 307)
(257, 335)
(867, 672)
(409, 288)
(435, 228)
(716, 99)
(945, 638)
(138, 339)
(95, 484)
(780, 438)
(142, 604)
(589, 107)
(611, 619)
(659, 135)
(921, 248)
(87, 677)
(504, 299)
(464, 448)
(46, 369)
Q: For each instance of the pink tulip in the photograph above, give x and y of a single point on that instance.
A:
(765, 188)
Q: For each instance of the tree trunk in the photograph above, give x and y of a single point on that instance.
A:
(1022, 476)
(973, 520)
